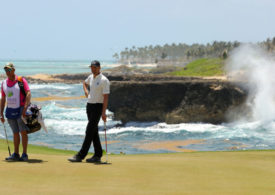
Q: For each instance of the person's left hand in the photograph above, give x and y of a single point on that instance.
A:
(24, 113)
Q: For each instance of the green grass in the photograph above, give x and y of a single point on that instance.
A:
(202, 67)
(49, 172)
(35, 149)
(39, 149)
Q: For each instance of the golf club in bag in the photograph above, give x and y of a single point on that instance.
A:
(7, 139)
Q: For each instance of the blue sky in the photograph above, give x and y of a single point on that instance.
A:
(88, 29)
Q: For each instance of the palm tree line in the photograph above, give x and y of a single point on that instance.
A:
(181, 52)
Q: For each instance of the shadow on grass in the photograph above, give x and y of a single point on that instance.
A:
(102, 163)
(35, 161)
(32, 161)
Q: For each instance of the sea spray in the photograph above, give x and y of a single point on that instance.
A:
(255, 67)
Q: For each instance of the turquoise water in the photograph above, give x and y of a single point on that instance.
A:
(66, 122)
(31, 67)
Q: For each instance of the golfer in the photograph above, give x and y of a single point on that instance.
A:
(99, 89)
(17, 104)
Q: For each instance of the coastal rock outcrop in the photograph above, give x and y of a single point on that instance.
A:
(177, 101)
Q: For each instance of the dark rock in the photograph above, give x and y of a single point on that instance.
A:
(174, 101)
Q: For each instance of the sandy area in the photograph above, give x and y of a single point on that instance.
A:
(44, 77)
(174, 146)
(149, 65)
(109, 142)
(143, 65)
(56, 98)
(216, 77)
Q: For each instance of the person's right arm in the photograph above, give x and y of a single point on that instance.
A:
(3, 102)
(85, 88)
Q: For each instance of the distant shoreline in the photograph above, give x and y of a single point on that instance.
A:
(79, 78)
(116, 72)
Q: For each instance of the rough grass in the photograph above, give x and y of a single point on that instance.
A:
(49, 172)
(202, 67)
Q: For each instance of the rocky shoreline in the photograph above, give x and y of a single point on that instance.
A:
(178, 101)
(165, 98)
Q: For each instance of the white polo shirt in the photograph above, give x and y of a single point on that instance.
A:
(98, 86)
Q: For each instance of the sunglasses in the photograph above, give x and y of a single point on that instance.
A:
(7, 69)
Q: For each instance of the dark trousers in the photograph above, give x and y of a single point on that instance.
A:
(94, 112)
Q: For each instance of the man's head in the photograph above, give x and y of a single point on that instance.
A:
(95, 67)
(9, 68)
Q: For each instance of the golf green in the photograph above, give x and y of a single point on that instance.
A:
(49, 172)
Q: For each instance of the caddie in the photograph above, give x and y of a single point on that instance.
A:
(16, 107)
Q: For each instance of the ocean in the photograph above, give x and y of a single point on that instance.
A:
(32, 67)
(66, 122)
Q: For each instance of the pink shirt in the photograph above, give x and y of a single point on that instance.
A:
(11, 83)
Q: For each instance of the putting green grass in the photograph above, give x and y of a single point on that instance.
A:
(49, 172)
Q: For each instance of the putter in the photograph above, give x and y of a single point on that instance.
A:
(105, 129)
(7, 139)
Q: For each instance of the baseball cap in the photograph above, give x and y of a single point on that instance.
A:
(95, 63)
(9, 66)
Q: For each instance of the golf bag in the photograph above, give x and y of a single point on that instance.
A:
(32, 117)
(33, 120)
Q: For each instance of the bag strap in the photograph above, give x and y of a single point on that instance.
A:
(21, 85)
